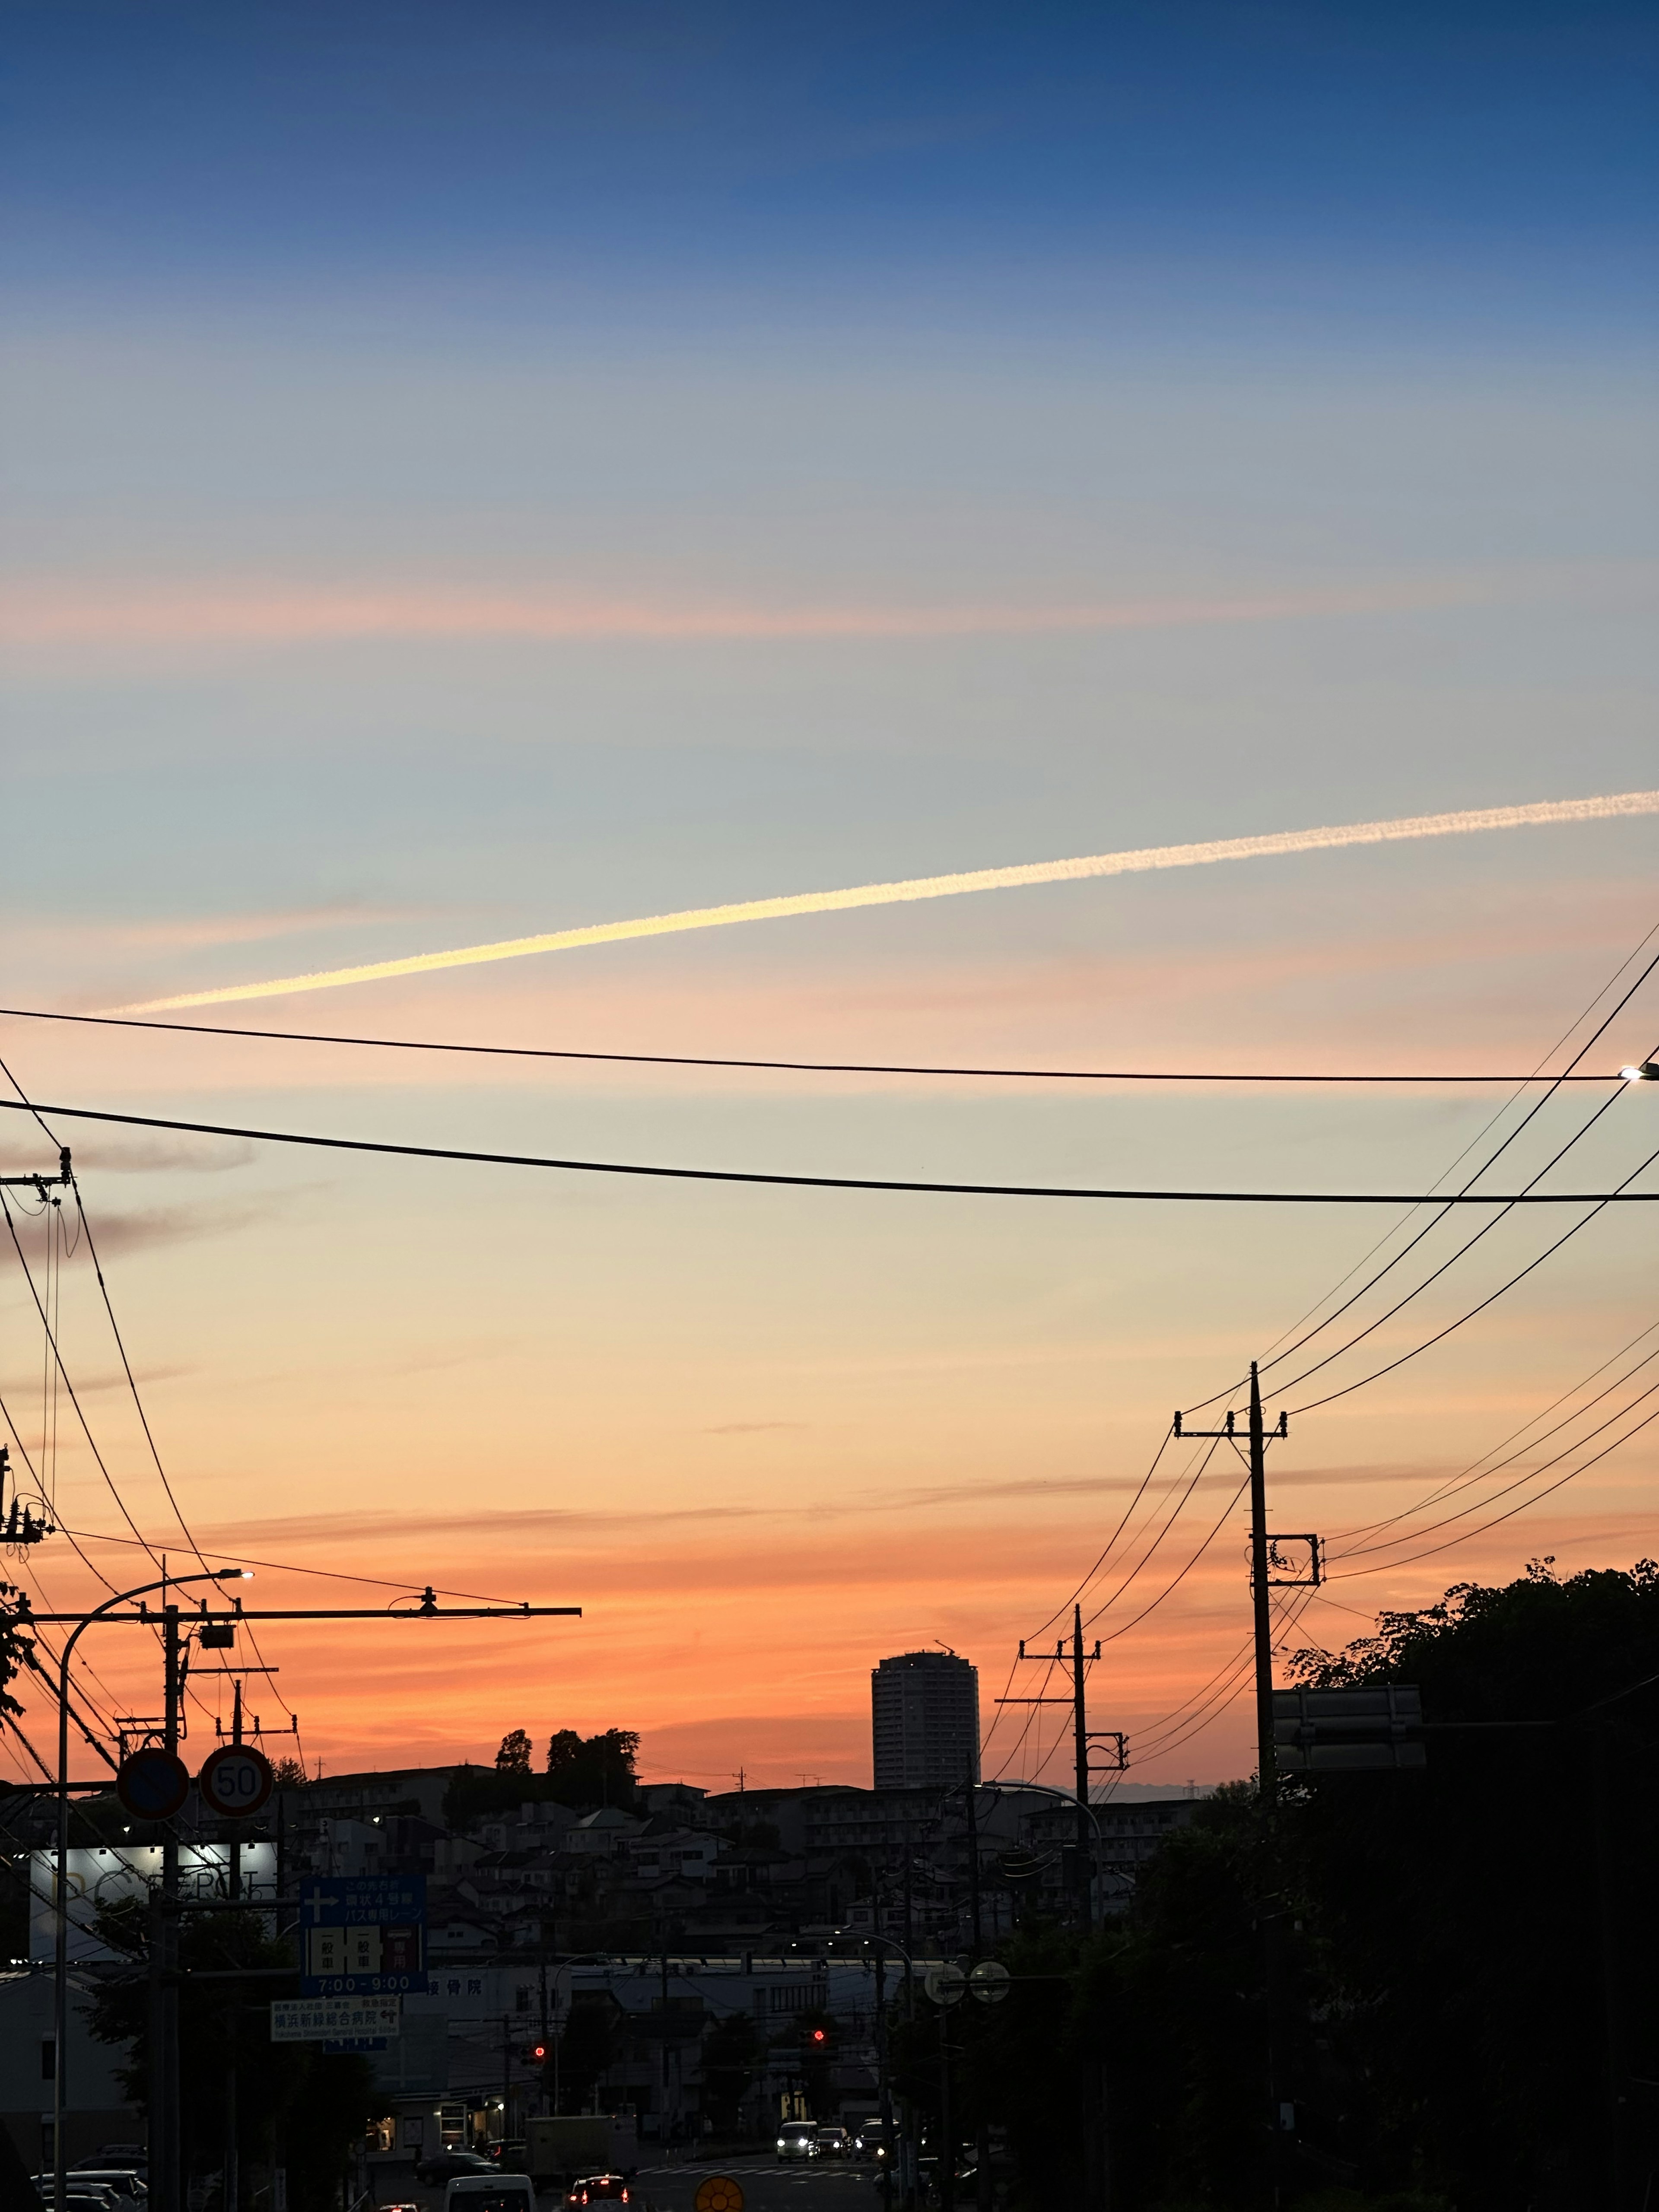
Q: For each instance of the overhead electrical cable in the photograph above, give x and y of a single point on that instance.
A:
(1388, 1566)
(1195, 1477)
(387, 1149)
(1112, 1634)
(1440, 1336)
(290, 1567)
(780, 1067)
(1440, 1200)
(1488, 1463)
(132, 1385)
(1106, 1552)
(143, 1422)
(69, 1387)
(1362, 1550)
(1400, 1305)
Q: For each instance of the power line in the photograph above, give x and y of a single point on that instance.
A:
(1389, 1567)
(1467, 1476)
(1197, 1475)
(1361, 1551)
(782, 1067)
(58, 1359)
(144, 1419)
(290, 1567)
(1111, 1540)
(388, 1150)
(1440, 1336)
(1283, 1351)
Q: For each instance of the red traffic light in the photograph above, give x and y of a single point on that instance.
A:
(819, 2035)
(538, 2050)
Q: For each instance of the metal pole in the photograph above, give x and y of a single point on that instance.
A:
(60, 1940)
(233, 2160)
(1611, 2010)
(973, 1863)
(1267, 1769)
(884, 2082)
(77, 1623)
(1080, 1730)
(665, 2136)
(947, 2162)
(173, 2195)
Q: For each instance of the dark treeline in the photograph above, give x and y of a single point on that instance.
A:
(1469, 1955)
(581, 1771)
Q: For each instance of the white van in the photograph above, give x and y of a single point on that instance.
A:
(490, 2192)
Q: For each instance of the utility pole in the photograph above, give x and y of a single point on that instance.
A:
(1080, 1746)
(1262, 1586)
(1264, 1557)
(172, 2192)
(1077, 1660)
(233, 2157)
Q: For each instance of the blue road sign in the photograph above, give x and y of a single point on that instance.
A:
(363, 1935)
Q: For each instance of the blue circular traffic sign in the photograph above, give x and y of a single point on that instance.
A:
(153, 1784)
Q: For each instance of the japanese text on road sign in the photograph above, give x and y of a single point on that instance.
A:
(364, 1936)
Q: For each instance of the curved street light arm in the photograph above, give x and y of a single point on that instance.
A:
(60, 1902)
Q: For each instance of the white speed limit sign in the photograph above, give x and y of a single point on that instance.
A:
(235, 1779)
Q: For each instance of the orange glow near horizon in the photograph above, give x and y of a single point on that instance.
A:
(765, 1442)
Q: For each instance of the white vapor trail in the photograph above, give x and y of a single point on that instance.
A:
(928, 887)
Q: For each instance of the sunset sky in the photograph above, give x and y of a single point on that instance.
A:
(474, 472)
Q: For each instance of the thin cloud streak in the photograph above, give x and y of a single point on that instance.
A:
(1142, 860)
(205, 616)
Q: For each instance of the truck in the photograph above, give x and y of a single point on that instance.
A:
(561, 2146)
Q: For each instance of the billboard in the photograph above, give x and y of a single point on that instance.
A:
(112, 1873)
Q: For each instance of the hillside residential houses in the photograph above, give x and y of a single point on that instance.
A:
(639, 1944)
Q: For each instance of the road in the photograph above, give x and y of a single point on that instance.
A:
(831, 2186)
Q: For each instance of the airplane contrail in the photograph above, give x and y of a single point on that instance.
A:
(1138, 862)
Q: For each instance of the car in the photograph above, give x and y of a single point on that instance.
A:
(597, 2189)
(447, 2164)
(125, 2181)
(489, 2192)
(832, 2142)
(797, 2139)
(127, 2157)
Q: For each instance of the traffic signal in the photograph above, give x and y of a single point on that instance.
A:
(537, 2052)
(819, 2035)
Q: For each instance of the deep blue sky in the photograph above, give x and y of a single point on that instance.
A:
(174, 146)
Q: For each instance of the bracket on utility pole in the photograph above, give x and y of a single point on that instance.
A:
(42, 1183)
(1284, 1578)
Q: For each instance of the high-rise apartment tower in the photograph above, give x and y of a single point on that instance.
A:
(925, 1716)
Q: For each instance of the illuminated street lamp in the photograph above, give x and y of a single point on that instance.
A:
(60, 1963)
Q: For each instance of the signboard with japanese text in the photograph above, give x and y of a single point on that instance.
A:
(363, 1935)
(325, 2020)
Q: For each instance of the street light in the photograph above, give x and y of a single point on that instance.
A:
(1069, 1798)
(1646, 1071)
(60, 1960)
(884, 2080)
